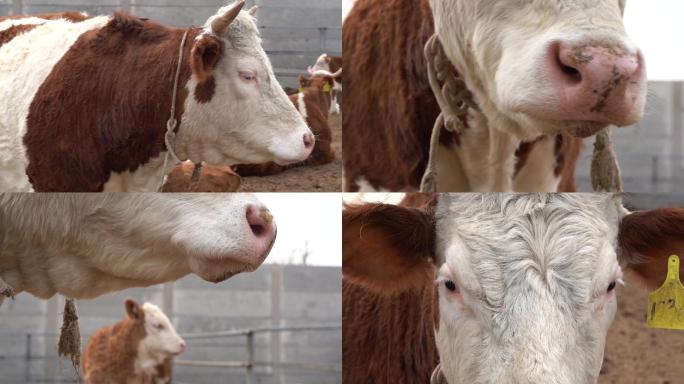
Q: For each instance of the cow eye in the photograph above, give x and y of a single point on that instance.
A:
(248, 76)
(611, 287)
(451, 286)
(159, 326)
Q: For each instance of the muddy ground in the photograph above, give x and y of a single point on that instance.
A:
(323, 178)
(636, 353)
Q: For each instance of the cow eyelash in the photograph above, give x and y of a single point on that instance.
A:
(248, 76)
(613, 284)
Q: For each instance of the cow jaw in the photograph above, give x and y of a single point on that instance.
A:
(514, 57)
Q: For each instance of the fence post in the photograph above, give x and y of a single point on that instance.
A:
(654, 169)
(27, 374)
(323, 38)
(250, 357)
(17, 7)
(276, 317)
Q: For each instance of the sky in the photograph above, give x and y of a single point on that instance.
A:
(657, 28)
(306, 220)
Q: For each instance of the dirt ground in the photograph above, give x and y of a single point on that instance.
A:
(636, 353)
(323, 178)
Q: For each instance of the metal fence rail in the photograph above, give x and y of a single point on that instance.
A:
(249, 364)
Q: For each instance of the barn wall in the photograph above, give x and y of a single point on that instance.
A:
(307, 296)
(651, 153)
(291, 29)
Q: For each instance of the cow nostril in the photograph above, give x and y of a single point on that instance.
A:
(570, 72)
(259, 220)
(309, 140)
(567, 64)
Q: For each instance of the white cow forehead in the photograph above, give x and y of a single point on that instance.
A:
(563, 244)
(153, 312)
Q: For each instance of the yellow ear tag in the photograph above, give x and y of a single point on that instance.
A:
(666, 304)
(301, 89)
(326, 88)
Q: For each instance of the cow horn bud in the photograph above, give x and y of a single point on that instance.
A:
(220, 24)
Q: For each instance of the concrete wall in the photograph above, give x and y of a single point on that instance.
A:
(273, 296)
(651, 153)
(291, 29)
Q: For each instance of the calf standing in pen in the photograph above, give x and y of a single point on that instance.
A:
(313, 102)
(136, 350)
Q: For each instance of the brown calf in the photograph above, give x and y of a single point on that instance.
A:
(111, 354)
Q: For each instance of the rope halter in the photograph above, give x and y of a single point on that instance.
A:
(455, 100)
(172, 123)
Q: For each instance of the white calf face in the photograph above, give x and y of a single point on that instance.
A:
(249, 118)
(526, 293)
(545, 66)
(161, 337)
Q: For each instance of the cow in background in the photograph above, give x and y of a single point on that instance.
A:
(493, 287)
(540, 74)
(137, 349)
(313, 102)
(332, 64)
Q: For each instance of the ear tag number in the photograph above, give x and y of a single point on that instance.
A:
(666, 304)
(326, 88)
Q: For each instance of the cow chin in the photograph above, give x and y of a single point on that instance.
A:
(217, 270)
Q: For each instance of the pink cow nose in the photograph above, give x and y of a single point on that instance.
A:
(182, 346)
(598, 84)
(260, 222)
(309, 140)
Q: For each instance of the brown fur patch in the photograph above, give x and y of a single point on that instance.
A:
(205, 90)
(389, 333)
(10, 33)
(104, 106)
(648, 238)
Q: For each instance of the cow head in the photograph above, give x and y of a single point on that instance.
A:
(237, 111)
(526, 283)
(545, 66)
(160, 337)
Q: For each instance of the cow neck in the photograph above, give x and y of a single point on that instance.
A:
(172, 123)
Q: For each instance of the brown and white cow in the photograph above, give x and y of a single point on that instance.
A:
(497, 288)
(542, 73)
(313, 102)
(86, 245)
(138, 349)
(332, 64)
(85, 105)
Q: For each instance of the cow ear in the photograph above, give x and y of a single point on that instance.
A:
(303, 82)
(252, 11)
(646, 240)
(134, 310)
(387, 248)
(206, 53)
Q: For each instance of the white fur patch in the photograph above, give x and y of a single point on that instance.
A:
(301, 105)
(25, 63)
(538, 172)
